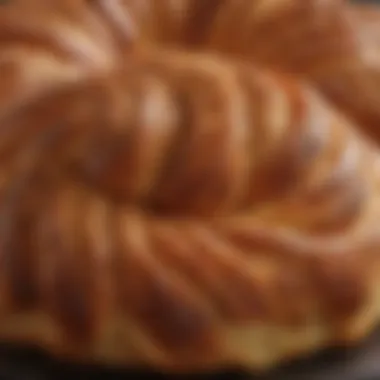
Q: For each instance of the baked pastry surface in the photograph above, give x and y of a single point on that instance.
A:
(168, 203)
(332, 44)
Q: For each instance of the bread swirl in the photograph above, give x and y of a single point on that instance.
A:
(176, 210)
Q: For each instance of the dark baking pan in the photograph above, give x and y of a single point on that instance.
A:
(360, 363)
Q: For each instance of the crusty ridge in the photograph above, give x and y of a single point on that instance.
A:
(326, 42)
(117, 245)
(330, 43)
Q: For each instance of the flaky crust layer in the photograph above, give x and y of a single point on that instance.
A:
(175, 209)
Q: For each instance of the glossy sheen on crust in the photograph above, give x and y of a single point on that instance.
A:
(181, 211)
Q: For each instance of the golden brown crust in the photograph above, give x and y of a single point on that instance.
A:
(354, 84)
(299, 36)
(176, 210)
(327, 42)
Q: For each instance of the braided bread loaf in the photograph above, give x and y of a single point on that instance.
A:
(173, 209)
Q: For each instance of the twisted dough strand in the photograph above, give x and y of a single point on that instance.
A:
(109, 184)
(179, 23)
(218, 139)
(46, 49)
(326, 42)
(299, 36)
